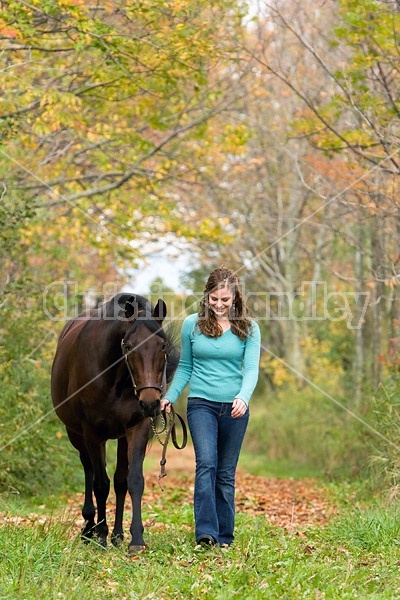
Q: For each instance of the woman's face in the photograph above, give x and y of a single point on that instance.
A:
(221, 300)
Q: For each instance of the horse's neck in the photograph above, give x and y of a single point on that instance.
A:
(72, 327)
(110, 337)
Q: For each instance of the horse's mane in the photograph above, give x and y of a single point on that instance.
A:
(115, 306)
(172, 336)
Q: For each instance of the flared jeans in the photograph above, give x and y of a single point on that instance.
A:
(217, 440)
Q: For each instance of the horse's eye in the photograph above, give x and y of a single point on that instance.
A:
(164, 347)
(128, 347)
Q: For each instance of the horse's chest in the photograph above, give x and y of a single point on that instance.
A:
(121, 414)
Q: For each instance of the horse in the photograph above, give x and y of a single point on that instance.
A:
(109, 373)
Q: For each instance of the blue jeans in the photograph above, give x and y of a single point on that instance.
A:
(217, 440)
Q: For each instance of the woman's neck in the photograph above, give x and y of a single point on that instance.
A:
(224, 323)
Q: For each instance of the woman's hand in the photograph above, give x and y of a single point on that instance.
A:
(165, 404)
(239, 408)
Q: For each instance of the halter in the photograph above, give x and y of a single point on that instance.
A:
(139, 388)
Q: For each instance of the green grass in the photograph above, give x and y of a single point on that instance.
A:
(258, 465)
(355, 556)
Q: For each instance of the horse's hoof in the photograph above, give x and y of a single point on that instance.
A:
(135, 549)
(97, 542)
(87, 538)
(117, 539)
(92, 537)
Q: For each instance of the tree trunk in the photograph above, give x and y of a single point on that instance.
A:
(358, 363)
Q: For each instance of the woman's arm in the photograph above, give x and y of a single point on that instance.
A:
(251, 361)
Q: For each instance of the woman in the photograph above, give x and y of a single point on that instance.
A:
(220, 351)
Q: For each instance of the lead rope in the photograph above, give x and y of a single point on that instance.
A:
(169, 431)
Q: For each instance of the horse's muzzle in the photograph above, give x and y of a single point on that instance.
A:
(150, 408)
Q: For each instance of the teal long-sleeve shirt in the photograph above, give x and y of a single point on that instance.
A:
(218, 369)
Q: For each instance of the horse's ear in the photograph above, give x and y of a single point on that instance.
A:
(160, 310)
(131, 308)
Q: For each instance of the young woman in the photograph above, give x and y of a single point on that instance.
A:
(220, 352)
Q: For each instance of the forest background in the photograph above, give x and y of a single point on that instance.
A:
(263, 137)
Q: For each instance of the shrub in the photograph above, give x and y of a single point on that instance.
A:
(307, 429)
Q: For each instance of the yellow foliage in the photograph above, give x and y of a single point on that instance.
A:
(276, 369)
(320, 364)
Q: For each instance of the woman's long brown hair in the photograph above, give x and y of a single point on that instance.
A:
(240, 321)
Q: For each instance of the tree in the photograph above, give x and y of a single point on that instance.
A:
(341, 63)
(99, 106)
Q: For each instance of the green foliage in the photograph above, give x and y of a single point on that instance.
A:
(385, 450)
(33, 455)
(376, 529)
(303, 429)
(13, 214)
(94, 99)
(370, 30)
(359, 113)
(97, 105)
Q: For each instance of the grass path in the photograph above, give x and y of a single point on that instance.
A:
(288, 503)
(295, 540)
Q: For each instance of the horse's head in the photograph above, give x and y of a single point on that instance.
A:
(145, 349)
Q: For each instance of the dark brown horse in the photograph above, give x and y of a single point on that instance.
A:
(108, 377)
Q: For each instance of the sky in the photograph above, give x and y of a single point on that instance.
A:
(168, 261)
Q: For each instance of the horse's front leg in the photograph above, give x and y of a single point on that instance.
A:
(120, 487)
(88, 509)
(101, 484)
(137, 438)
